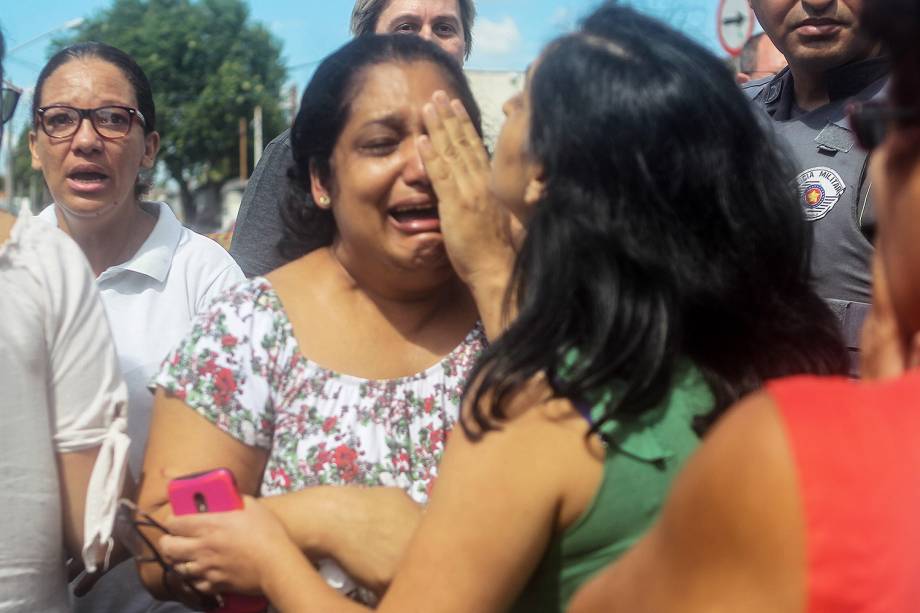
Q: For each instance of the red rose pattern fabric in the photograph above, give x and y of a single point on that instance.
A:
(241, 368)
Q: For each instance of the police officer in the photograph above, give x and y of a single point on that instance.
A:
(831, 63)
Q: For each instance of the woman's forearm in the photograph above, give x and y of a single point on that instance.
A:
(292, 585)
(308, 515)
(366, 530)
(75, 469)
(488, 290)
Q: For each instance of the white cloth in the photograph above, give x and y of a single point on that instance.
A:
(150, 301)
(106, 484)
(60, 390)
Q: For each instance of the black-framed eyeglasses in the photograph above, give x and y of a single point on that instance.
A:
(110, 122)
(9, 97)
(870, 121)
(128, 523)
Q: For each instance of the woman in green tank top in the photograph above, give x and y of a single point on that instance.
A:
(661, 274)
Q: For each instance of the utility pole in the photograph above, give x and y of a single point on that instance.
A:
(244, 169)
(10, 175)
(256, 135)
(292, 103)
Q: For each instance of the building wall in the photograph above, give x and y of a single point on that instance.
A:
(491, 89)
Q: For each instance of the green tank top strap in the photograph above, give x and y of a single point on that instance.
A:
(644, 454)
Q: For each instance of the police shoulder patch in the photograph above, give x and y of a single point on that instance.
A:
(819, 189)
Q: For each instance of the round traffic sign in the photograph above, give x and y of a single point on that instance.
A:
(735, 25)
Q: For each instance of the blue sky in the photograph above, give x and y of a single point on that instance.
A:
(507, 36)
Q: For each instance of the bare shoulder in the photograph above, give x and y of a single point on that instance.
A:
(733, 520)
(314, 265)
(500, 497)
(6, 226)
(317, 271)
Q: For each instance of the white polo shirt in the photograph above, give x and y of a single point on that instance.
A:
(150, 301)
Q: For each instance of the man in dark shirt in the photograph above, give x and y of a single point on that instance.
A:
(831, 63)
(259, 227)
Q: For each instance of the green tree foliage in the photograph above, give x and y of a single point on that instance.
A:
(209, 66)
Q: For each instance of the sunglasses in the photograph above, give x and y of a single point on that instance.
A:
(870, 121)
(129, 523)
(9, 96)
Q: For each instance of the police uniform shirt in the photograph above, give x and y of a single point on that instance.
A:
(832, 179)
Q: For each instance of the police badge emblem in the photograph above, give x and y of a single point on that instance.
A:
(819, 188)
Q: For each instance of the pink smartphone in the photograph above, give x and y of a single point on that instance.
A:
(213, 491)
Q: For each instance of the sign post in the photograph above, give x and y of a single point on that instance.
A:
(735, 25)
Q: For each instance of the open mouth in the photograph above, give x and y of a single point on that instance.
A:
(415, 213)
(416, 218)
(87, 181)
(88, 177)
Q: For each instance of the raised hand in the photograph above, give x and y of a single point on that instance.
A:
(478, 233)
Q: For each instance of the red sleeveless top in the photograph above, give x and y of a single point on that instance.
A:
(856, 447)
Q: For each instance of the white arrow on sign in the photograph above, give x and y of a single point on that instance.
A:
(735, 25)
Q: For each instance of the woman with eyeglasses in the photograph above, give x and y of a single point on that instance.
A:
(93, 137)
(60, 409)
(805, 498)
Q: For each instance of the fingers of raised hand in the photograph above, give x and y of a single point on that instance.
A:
(477, 157)
(466, 143)
(452, 132)
(438, 169)
(451, 122)
(441, 139)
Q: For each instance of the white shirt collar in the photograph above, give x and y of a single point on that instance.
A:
(155, 255)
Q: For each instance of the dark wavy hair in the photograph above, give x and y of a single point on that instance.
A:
(668, 230)
(324, 111)
(128, 67)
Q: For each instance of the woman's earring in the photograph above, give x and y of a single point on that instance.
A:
(323, 200)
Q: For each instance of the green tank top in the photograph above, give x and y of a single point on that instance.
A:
(644, 454)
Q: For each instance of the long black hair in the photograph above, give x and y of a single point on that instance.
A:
(324, 111)
(668, 229)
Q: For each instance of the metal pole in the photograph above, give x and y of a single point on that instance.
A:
(256, 135)
(244, 171)
(10, 167)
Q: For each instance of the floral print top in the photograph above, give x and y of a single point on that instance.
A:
(240, 367)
